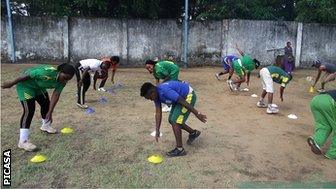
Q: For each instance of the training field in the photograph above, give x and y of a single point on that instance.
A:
(239, 146)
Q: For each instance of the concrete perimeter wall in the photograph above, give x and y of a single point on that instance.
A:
(72, 39)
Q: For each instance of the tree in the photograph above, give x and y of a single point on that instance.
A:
(323, 11)
(301, 10)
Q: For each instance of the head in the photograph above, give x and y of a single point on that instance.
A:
(149, 65)
(105, 65)
(66, 72)
(257, 63)
(148, 90)
(289, 44)
(115, 59)
(316, 63)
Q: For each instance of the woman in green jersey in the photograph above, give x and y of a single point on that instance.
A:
(32, 86)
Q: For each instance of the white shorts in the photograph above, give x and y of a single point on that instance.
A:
(266, 80)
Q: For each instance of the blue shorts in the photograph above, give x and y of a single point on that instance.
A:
(226, 67)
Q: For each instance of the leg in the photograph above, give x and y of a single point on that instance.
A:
(287, 65)
(323, 79)
(178, 134)
(327, 79)
(240, 72)
(263, 94)
(44, 102)
(230, 73)
(325, 123)
(187, 128)
(239, 81)
(85, 86)
(319, 107)
(270, 98)
(225, 72)
(177, 118)
(220, 73)
(179, 150)
(79, 88)
(331, 153)
(28, 113)
(261, 103)
(27, 116)
(102, 83)
(264, 77)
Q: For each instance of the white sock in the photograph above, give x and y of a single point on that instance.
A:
(24, 135)
(44, 123)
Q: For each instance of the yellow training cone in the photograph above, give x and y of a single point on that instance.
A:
(38, 158)
(156, 158)
(311, 89)
(67, 130)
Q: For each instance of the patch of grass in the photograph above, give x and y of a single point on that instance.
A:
(110, 148)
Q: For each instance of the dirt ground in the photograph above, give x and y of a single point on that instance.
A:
(240, 145)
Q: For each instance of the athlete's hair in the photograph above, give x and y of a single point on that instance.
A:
(145, 88)
(67, 69)
(257, 63)
(105, 64)
(316, 63)
(151, 62)
(115, 58)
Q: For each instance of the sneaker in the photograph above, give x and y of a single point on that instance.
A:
(26, 145)
(102, 89)
(47, 128)
(313, 146)
(231, 85)
(321, 90)
(271, 109)
(83, 106)
(176, 152)
(261, 104)
(193, 136)
(217, 76)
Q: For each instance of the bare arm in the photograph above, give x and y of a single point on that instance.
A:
(318, 76)
(230, 73)
(54, 99)
(184, 103)
(10, 84)
(112, 77)
(158, 119)
(248, 78)
(239, 51)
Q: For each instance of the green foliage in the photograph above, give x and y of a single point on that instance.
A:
(301, 10)
(317, 11)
